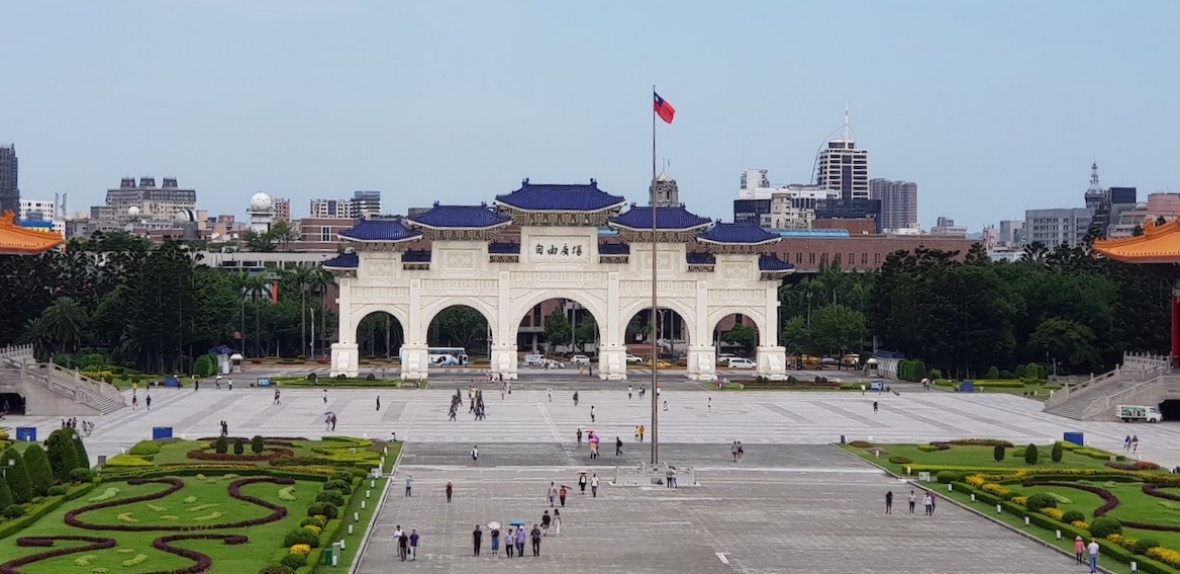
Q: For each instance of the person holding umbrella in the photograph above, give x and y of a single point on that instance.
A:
(495, 528)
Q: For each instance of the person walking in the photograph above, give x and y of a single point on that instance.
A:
(278, 398)
(475, 455)
(520, 538)
(913, 501)
(403, 546)
(1126, 445)
(1134, 438)
(510, 542)
(552, 495)
(575, 398)
(409, 485)
(230, 382)
(536, 536)
(733, 450)
(325, 396)
(591, 413)
(628, 392)
(148, 401)
(546, 521)
(889, 502)
(594, 485)
(495, 542)
(642, 431)
(561, 495)
(874, 407)
(476, 539)
(582, 482)
(450, 491)
(557, 522)
(928, 502)
(618, 446)
(1079, 546)
(710, 404)
(550, 391)
(579, 438)
(1093, 556)
(414, 538)
(134, 402)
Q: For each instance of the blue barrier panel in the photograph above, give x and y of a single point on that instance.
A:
(264, 381)
(26, 434)
(161, 432)
(1075, 438)
(967, 387)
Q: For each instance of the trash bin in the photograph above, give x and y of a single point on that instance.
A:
(330, 555)
(841, 439)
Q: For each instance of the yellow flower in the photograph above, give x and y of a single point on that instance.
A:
(975, 480)
(1054, 513)
(301, 549)
(313, 528)
(1165, 555)
(1021, 500)
(1080, 525)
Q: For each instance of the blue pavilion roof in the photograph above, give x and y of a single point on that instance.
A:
(459, 217)
(667, 217)
(387, 230)
(343, 261)
(560, 197)
(738, 233)
(770, 262)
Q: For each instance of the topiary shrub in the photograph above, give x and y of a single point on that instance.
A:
(336, 497)
(1105, 526)
(294, 561)
(1030, 454)
(993, 373)
(221, 445)
(340, 485)
(1021, 371)
(998, 453)
(935, 374)
(57, 490)
(13, 511)
(1143, 545)
(239, 446)
(949, 476)
(145, 448)
(5, 494)
(17, 477)
(301, 536)
(63, 457)
(82, 475)
(310, 521)
(1072, 516)
(323, 508)
(791, 380)
(1040, 500)
(1057, 452)
(257, 444)
(277, 569)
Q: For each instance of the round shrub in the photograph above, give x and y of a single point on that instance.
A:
(1072, 516)
(301, 536)
(277, 569)
(323, 508)
(998, 453)
(1041, 500)
(57, 490)
(145, 448)
(82, 475)
(294, 561)
(312, 528)
(13, 511)
(338, 485)
(949, 476)
(331, 496)
(1105, 526)
(311, 521)
(221, 445)
(239, 446)
(257, 444)
(1030, 454)
(343, 474)
(1057, 452)
(1144, 544)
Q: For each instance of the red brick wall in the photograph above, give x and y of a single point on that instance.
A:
(860, 252)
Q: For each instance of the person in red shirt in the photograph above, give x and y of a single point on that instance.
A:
(561, 495)
(450, 491)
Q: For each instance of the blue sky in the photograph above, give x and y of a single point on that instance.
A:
(991, 107)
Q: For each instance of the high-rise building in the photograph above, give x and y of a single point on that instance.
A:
(664, 192)
(37, 210)
(9, 183)
(281, 209)
(1098, 202)
(1052, 227)
(331, 208)
(899, 203)
(946, 226)
(365, 204)
(1011, 232)
(151, 203)
(842, 167)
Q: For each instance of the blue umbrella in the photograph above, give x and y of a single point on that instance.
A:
(516, 523)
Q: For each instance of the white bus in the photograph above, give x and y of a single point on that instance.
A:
(447, 356)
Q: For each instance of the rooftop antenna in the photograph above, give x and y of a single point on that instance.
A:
(847, 128)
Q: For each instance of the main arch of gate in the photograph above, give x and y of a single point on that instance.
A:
(612, 295)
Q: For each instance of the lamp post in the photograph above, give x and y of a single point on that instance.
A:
(311, 343)
(809, 310)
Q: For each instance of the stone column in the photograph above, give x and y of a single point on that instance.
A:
(702, 355)
(504, 358)
(345, 353)
(772, 359)
(415, 361)
(612, 353)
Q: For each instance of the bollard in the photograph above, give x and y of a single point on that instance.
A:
(385, 452)
(950, 488)
(372, 484)
(356, 516)
(1025, 518)
(972, 497)
(350, 530)
(841, 439)
(341, 543)
(1059, 535)
(1134, 566)
(368, 492)
(999, 509)
(363, 507)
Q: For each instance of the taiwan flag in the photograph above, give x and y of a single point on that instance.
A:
(664, 109)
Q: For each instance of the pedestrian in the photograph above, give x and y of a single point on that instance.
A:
(579, 438)
(520, 537)
(536, 535)
(575, 398)
(196, 384)
(333, 422)
(929, 504)
(733, 450)
(874, 407)
(217, 383)
(1134, 439)
(1079, 546)
(913, 501)
(325, 396)
(231, 384)
(710, 405)
(561, 494)
(475, 455)
(414, 545)
(582, 482)
(889, 502)
(557, 521)
(933, 503)
(628, 392)
(1127, 444)
(378, 402)
(665, 406)
(1093, 556)
(277, 398)
(476, 538)
(134, 402)
(546, 521)
(403, 546)
(618, 446)
(642, 430)
(510, 542)
(148, 401)
(741, 451)
(409, 485)
(594, 485)
(550, 390)
(552, 495)
(591, 413)
(397, 534)
(450, 490)
(495, 542)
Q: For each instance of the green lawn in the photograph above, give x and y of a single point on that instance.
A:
(1133, 505)
(199, 502)
(971, 457)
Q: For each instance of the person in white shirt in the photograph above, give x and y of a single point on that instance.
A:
(1093, 556)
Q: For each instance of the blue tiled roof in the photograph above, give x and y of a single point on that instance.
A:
(614, 249)
(700, 258)
(738, 233)
(420, 256)
(769, 262)
(459, 217)
(639, 218)
(389, 230)
(560, 197)
(343, 261)
(504, 248)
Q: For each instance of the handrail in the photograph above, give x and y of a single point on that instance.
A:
(1097, 407)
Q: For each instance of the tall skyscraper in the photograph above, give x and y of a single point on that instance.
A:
(331, 208)
(365, 204)
(150, 202)
(9, 188)
(664, 192)
(899, 202)
(842, 167)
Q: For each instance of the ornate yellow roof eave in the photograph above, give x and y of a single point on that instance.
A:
(1158, 244)
(20, 241)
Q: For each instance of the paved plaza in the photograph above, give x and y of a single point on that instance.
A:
(794, 504)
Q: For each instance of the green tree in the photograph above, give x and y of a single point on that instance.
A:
(1057, 452)
(37, 466)
(63, 456)
(1070, 343)
(1030, 454)
(998, 453)
(586, 331)
(5, 495)
(81, 456)
(795, 336)
(261, 242)
(459, 326)
(37, 335)
(837, 328)
(557, 328)
(17, 476)
(65, 321)
(743, 335)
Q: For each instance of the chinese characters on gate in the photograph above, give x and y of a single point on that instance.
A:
(565, 250)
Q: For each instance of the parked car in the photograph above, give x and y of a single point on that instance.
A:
(634, 359)
(579, 360)
(659, 364)
(741, 363)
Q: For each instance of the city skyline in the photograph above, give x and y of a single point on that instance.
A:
(303, 100)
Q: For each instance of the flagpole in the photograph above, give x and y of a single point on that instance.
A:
(654, 330)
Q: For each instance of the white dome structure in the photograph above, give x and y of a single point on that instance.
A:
(185, 216)
(133, 211)
(260, 202)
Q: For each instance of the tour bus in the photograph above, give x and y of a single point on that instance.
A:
(447, 356)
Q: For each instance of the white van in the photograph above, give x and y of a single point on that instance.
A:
(741, 363)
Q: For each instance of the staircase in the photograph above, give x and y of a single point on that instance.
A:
(20, 362)
(1140, 378)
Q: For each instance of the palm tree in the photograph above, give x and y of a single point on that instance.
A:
(65, 320)
(37, 335)
(318, 282)
(256, 290)
(302, 277)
